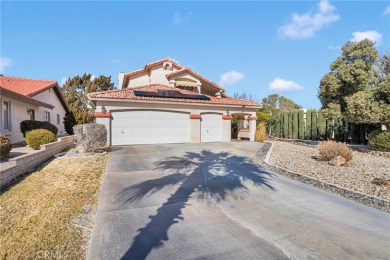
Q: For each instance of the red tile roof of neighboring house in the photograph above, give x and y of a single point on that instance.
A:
(128, 94)
(178, 72)
(26, 87)
(31, 87)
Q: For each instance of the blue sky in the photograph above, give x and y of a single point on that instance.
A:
(262, 47)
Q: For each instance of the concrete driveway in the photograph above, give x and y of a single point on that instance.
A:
(197, 201)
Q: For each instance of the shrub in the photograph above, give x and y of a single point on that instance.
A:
(29, 125)
(379, 140)
(5, 146)
(260, 132)
(38, 137)
(69, 123)
(330, 149)
(90, 137)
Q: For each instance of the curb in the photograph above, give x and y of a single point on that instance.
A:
(262, 158)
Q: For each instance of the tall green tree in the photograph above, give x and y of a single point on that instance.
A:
(76, 90)
(350, 73)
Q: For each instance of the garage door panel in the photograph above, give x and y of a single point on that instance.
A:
(148, 127)
(211, 128)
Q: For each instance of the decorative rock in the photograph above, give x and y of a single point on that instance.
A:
(381, 182)
(337, 161)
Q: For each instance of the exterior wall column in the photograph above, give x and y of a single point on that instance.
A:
(252, 127)
(226, 128)
(240, 123)
(195, 128)
(104, 118)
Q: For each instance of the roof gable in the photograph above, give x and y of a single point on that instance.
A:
(31, 87)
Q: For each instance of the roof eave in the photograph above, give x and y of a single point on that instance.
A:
(25, 98)
(170, 102)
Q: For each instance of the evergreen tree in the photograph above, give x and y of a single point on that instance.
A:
(76, 90)
(295, 124)
(308, 135)
(301, 122)
(290, 125)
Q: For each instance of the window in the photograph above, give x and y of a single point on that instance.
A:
(47, 116)
(58, 119)
(6, 116)
(31, 112)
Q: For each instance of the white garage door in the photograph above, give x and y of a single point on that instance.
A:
(149, 127)
(211, 128)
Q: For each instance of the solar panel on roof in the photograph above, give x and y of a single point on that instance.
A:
(169, 94)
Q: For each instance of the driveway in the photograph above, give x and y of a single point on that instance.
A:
(197, 201)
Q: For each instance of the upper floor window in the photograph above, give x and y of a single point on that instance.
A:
(47, 116)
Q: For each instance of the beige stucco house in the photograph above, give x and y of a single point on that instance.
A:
(30, 99)
(163, 102)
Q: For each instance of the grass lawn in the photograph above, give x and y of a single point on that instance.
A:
(49, 214)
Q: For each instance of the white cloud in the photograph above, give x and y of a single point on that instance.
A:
(63, 80)
(282, 85)
(306, 25)
(230, 78)
(371, 35)
(4, 63)
(179, 18)
(386, 11)
(334, 47)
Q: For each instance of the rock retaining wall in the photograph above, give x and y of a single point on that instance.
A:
(22, 164)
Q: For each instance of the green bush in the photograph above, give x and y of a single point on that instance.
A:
(295, 125)
(29, 125)
(285, 124)
(5, 146)
(308, 125)
(290, 125)
(379, 140)
(301, 122)
(69, 123)
(38, 137)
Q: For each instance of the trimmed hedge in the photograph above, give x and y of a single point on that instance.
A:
(379, 140)
(5, 146)
(29, 125)
(38, 137)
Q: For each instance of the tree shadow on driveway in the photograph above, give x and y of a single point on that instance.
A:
(205, 173)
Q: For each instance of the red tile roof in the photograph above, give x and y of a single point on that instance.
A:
(128, 94)
(178, 72)
(154, 63)
(26, 87)
(31, 87)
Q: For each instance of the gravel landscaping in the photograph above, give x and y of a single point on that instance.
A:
(357, 176)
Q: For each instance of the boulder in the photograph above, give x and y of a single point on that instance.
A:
(90, 137)
(337, 161)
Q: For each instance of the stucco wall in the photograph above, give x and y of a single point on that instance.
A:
(19, 113)
(138, 80)
(112, 106)
(49, 96)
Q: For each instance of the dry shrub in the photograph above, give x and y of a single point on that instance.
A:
(260, 133)
(330, 149)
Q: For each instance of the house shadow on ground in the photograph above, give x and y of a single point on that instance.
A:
(218, 175)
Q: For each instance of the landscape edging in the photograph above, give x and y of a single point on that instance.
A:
(262, 158)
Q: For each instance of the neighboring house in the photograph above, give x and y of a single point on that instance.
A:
(30, 99)
(167, 103)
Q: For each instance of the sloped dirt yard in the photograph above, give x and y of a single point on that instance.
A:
(49, 214)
